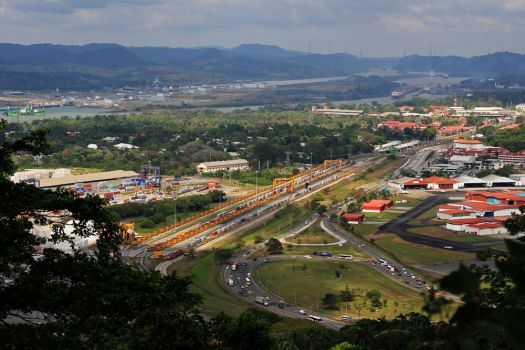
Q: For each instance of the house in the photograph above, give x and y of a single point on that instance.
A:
(377, 205)
(415, 184)
(354, 218)
(223, 165)
(489, 210)
(440, 183)
(486, 228)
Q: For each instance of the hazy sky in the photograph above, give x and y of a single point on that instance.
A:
(369, 27)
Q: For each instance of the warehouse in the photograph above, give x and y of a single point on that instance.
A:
(223, 165)
(498, 181)
(86, 178)
(415, 184)
(354, 218)
(440, 183)
(451, 214)
(376, 206)
(486, 228)
(465, 181)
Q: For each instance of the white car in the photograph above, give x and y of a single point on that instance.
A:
(302, 312)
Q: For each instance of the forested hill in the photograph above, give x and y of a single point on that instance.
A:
(493, 65)
(48, 66)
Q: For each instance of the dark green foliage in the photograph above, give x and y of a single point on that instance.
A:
(274, 246)
(330, 301)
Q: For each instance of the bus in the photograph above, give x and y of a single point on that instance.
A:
(346, 256)
(314, 318)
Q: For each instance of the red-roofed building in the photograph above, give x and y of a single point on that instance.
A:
(460, 225)
(354, 218)
(517, 159)
(451, 214)
(496, 197)
(440, 183)
(484, 209)
(486, 228)
(415, 184)
(395, 124)
(377, 205)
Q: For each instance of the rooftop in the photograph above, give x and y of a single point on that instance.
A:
(93, 177)
(224, 163)
(439, 180)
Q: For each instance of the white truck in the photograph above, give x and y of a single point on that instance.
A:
(262, 301)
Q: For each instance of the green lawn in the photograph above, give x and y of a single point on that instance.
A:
(206, 281)
(363, 230)
(414, 254)
(305, 282)
(312, 235)
(439, 232)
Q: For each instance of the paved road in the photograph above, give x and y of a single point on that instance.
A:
(248, 268)
(400, 226)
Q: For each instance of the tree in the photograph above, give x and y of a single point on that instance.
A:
(274, 246)
(347, 295)
(346, 346)
(85, 300)
(337, 274)
(330, 301)
(223, 255)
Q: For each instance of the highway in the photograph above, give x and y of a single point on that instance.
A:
(248, 269)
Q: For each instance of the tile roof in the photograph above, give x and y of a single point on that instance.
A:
(439, 180)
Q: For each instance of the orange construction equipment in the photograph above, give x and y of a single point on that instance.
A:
(127, 232)
(198, 216)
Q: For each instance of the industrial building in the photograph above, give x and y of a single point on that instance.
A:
(223, 165)
(86, 178)
(354, 218)
(377, 205)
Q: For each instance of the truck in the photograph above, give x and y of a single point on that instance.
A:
(261, 300)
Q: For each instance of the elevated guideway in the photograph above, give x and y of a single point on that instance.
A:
(171, 244)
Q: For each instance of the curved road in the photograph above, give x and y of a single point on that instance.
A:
(246, 283)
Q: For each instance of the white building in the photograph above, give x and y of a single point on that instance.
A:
(487, 228)
(468, 144)
(223, 165)
(38, 174)
(124, 146)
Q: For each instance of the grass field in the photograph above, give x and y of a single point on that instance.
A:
(312, 235)
(439, 232)
(414, 254)
(205, 275)
(306, 282)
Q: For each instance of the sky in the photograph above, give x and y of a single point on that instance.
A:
(370, 28)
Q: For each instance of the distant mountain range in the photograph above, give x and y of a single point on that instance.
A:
(93, 66)
(493, 65)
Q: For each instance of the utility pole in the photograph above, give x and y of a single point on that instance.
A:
(175, 212)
